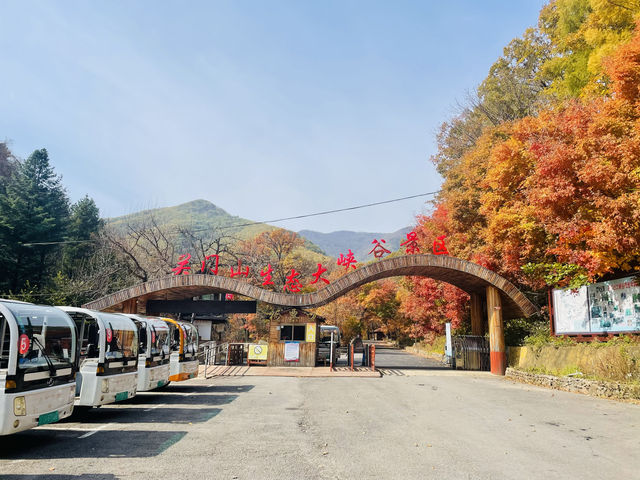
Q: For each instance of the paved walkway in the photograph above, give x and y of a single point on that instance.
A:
(389, 361)
(394, 359)
(245, 371)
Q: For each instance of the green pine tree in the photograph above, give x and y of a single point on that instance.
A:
(33, 209)
(84, 225)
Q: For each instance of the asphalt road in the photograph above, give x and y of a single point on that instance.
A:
(423, 424)
(387, 358)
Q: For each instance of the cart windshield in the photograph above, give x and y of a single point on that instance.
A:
(160, 341)
(121, 335)
(46, 336)
(190, 338)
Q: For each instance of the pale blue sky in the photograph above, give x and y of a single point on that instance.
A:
(266, 108)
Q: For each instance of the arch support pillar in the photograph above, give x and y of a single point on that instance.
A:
(130, 306)
(496, 332)
(477, 320)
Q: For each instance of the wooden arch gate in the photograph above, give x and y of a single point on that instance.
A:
(491, 294)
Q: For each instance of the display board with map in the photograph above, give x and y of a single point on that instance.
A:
(612, 306)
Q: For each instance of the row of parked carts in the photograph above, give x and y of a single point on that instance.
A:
(55, 358)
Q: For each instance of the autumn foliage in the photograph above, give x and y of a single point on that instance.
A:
(551, 198)
(562, 187)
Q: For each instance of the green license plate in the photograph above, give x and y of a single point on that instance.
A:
(122, 396)
(50, 417)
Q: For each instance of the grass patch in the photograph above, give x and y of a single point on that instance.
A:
(436, 346)
(614, 361)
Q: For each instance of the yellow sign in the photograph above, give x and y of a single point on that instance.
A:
(311, 332)
(258, 352)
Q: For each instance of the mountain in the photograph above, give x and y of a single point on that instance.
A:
(202, 215)
(335, 243)
(199, 215)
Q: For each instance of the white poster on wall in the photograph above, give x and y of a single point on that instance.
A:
(204, 329)
(571, 311)
(291, 352)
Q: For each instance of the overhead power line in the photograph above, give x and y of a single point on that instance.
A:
(248, 224)
(55, 243)
(327, 212)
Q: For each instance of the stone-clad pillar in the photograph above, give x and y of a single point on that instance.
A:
(496, 332)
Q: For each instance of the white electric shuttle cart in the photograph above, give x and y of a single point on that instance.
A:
(37, 365)
(154, 351)
(184, 350)
(108, 357)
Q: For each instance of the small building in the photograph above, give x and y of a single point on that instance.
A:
(378, 334)
(293, 339)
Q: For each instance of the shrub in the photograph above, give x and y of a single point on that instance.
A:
(614, 364)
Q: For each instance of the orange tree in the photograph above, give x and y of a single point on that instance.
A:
(551, 199)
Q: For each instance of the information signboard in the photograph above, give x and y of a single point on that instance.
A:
(611, 306)
(614, 306)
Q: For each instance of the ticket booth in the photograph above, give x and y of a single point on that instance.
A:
(292, 339)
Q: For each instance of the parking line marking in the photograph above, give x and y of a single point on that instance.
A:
(88, 434)
(153, 408)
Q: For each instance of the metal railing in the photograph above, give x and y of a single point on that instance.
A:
(212, 354)
(470, 352)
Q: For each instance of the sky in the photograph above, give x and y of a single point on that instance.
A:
(267, 109)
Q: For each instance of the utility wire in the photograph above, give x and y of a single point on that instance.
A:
(327, 212)
(31, 244)
(239, 225)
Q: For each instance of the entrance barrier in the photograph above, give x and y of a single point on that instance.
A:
(235, 354)
(368, 356)
(470, 352)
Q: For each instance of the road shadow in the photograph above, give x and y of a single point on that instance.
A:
(158, 407)
(43, 443)
(182, 388)
(139, 415)
(155, 398)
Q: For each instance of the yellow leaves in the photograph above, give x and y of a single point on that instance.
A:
(613, 13)
(583, 34)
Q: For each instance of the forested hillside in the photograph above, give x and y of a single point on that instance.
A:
(199, 217)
